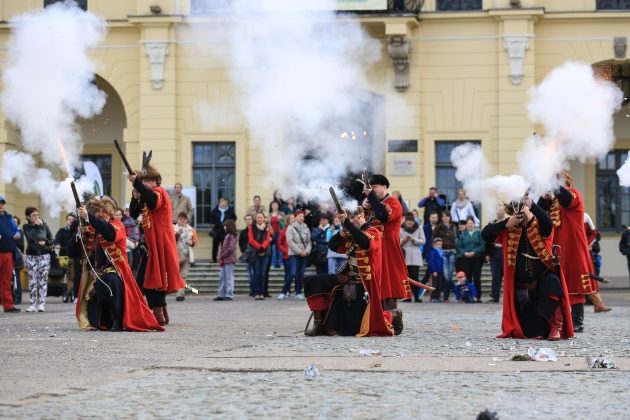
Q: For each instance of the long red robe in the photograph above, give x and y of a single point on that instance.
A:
(136, 314)
(569, 233)
(162, 271)
(509, 239)
(376, 321)
(394, 282)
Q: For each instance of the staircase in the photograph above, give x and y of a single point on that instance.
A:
(204, 276)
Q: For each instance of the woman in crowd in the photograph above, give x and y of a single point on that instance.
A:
(335, 260)
(276, 220)
(18, 263)
(227, 260)
(299, 240)
(399, 197)
(411, 237)
(259, 238)
(462, 209)
(448, 232)
(133, 237)
(470, 248)
(289, 206)
(243, 241)
(39, 239)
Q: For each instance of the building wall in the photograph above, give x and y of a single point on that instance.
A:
(459, 89)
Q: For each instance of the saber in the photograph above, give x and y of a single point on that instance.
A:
(124, 158)
(77, 200)
(598, 278)
(333, 194)
(192, 289)
(420, 285)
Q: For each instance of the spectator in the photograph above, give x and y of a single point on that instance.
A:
(283, 245)
(133, 237)
(435, 263)
(465, 290)
(448, 232)
(276, 199)
(227, 260)
(186, 238)
(299, 240)
(180, 204)
(289, 206)
(320, 245)
(259, 238)
(243, 240)
(256, 207)
(470, 248)
(411, 237)
(428, 235)
(335, 260)
(416, 216)
(462, 209)
(276, 220)
(62, 238)
(39, 240)
(494, 256)
(592, 238)
(18, 263)
(403, 205)
(432, 204)
(624, 246)
(222, 212)
(9, 233)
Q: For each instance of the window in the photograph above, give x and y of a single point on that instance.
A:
(458, 5)
(446, 182)
(613, 201)
(214, 174)
(81, 3)
(613, 4)
(104, 165)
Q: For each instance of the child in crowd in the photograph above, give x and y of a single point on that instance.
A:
(435, 260)
(465, 290)
(227, 260)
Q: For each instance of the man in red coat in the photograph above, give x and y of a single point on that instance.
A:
(566, 209)
(349, 303)
(535, 298)
(162, 265)
(387, 217)
(109, 298)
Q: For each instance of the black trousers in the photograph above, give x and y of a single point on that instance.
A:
(535, 314)
(155, 298)
(216, 244)
(472, 268)
(496, 268)
(414, 274)
(108, 302)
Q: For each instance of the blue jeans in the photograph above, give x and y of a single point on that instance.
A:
(276, 254)
(260, 269)
(297, 265)
(334, 263)
(449, 267)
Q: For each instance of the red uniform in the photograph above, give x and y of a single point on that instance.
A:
(387, 218)
(569, 233)
(509, 239)
(162, 271)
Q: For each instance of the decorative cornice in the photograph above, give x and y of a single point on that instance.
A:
(157, 52)
(516, 45)
(399, 50)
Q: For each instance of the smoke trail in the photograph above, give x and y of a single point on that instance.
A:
(624, 173)
(301, 76)
(48, 83)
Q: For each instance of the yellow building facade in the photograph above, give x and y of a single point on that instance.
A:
(462, 70)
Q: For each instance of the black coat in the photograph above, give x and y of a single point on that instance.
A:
(215, 219)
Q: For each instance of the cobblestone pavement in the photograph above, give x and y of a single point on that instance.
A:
(246, 358)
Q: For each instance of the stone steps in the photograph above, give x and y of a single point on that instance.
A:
(204, 276)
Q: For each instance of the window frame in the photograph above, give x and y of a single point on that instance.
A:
(458, 6)
(449, 165)
(620, 194)
(600, 5)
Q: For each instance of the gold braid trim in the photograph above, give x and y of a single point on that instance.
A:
(538, 244)
(554, 213)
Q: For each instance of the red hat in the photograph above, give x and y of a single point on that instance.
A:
(460, 275)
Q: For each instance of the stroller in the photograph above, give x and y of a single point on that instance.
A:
(57, 284)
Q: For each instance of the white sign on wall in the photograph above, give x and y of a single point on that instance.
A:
(403, 165)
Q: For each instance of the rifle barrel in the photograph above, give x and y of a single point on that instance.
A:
(77, 200)
(124, 158)
(333, 194)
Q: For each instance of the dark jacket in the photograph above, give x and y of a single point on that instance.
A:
(435, 261)
(62, 238)
(7, 230)
(243, 240)
(34, 234)
(432, 205)
(624, 243)
(215, 219)
(448, 235)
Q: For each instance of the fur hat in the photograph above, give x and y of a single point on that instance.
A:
(109, 205)
(150, 174)
(378, 179)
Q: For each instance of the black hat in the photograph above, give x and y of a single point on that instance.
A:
(379, 179)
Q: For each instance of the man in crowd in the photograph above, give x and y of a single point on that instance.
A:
(180, 204)
(349, 303)
(432, 204)
(256, 207)
(536, 301)
(62, 238)
(624, 246)
(8, 234)
(219, 215)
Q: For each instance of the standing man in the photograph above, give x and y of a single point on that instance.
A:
(432, 204)
(62, 238)
(162, 267)
(494, 256)
(186, 237)
(387, 217)
(219, 215)
(181, 203)
(9, 233)
(256, 208)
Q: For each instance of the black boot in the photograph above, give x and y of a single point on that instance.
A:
(577, 314)
(318, 325)
(116, 320)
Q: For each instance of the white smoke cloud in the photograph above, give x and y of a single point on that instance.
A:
(48, 83)
(624, 173)
(302, 78)
(576, 109)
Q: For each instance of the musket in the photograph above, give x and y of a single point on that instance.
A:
(333, 194)
(420, 285)
(598, 278)
(124, 158)
(365, 179)
(77, 200)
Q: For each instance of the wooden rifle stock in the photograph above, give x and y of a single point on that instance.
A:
(124, 158)
(77, 200)
(333, 194)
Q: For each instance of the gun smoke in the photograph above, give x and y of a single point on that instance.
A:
(48, 83)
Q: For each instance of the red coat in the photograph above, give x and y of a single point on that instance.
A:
(569, 233)
(376, 322)
(394, 268)
(283, 245)
(136, 314)
(509, 239)
(163, 263)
